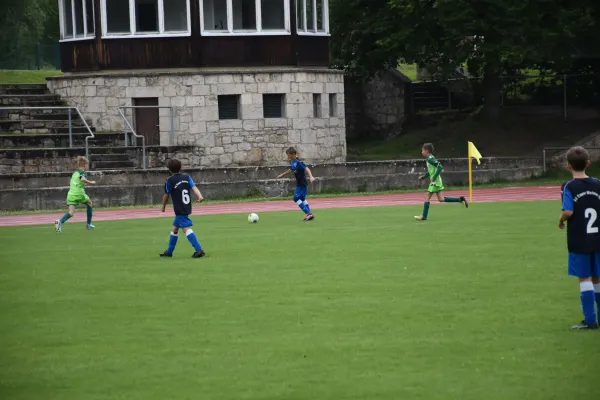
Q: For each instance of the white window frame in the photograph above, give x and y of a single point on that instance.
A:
(304, 30)
(257, 32)
(132, 23)
(62, 21)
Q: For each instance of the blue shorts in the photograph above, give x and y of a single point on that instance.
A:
(300, 193)
(584, 265)
(182, 221)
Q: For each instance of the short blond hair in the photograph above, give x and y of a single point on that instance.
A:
(82, 161)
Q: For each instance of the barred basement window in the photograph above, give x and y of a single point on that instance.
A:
(229, 106)
(273, 105)
(332, 104)
(76, 19)
(317, 105)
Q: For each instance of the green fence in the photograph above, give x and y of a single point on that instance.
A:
(35, 56)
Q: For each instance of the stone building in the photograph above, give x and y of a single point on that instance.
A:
(240, 80)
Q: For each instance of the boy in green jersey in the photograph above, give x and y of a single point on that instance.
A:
(77, 196)
(434, 171)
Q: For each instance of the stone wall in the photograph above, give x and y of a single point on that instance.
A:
(376, 109)
(32, 161)
(193, 95)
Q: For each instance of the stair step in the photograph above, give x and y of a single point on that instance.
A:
(23, 89)
(108, 165)
(110, 157)
(15, 99)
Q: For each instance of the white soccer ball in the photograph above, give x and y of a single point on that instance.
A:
(253, 218)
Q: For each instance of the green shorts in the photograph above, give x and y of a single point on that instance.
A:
(76, 199)
(433, 188)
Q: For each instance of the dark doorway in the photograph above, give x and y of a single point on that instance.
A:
(146, 120)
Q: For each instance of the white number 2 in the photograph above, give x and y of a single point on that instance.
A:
(592, 215)
(185, 197)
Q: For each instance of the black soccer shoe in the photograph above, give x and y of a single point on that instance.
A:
(309, 217)
(464, 201)
(199, 254)
(585, 326)
(165, 254)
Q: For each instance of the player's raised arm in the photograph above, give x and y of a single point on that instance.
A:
(86, 181)
(289, 171)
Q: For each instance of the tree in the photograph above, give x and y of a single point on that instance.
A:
(490, 36)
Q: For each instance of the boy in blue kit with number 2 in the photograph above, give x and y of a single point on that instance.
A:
(580, 209)
(300, 170)
(178, 186)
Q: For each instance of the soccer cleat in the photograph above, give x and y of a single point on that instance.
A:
(199, 254)
(584, 325)
(309, 217)
(165, 254)
(464, 201)
(89, 227)
(58, 226)
(420, 218)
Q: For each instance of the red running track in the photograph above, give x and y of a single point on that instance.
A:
(480, 195)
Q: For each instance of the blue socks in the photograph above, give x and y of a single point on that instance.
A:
(89, 215)
(65, 218)
(172, 242)
(597, 293)
(303, 204)
(193, 239)
(588, 299)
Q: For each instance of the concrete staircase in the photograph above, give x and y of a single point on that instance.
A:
(428, 96)
(34, 129)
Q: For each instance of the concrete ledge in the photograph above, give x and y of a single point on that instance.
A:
(144, 194)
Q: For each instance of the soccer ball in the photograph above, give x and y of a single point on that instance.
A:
(252, 218)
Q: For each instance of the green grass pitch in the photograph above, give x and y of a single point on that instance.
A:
(361, 304)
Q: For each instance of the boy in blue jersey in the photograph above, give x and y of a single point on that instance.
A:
(300, 170)
(178, 186)
(580, 209)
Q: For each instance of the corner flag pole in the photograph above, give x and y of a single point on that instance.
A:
(470, 175)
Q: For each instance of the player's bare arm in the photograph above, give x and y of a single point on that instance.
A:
(564, 216)
(198, 194)
(165, 200)
(310, 176)
(289, 171)
(87, 181)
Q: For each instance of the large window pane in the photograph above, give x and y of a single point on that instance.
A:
(215, 15)
(273, 14)
(320, 15)
(78, 18)
(244, 15)
(310, 22)
(68, 18)
(175, 15)
(300, 15)
(117, 16)
(89, 9)
(146, 15)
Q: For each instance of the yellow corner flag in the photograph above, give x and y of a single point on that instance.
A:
(473, 153)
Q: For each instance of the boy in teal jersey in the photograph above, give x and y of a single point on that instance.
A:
(436, 186)
(77, 195)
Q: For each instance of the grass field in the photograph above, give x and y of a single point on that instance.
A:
(361, 304)
(12, 77)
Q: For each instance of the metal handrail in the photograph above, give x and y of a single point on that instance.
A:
(171, 116)
(144, 166)
(92, 136)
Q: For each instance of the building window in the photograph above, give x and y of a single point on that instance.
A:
(244, 17)
(312, 17)
(317, 105)
(229, 106)
(146, 17)
(76, 19)
(332, 105)
(273, 105)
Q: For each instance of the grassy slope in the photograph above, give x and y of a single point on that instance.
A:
(515, 135)
(362, 304)
(25, 76)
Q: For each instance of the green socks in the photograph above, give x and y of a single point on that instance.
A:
(425, 209)
(452, 199)
(65, 218)
(89, 215)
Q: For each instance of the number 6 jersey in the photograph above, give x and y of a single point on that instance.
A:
(179, 187)
(582, 196)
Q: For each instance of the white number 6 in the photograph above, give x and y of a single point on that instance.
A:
(592, 215)
(185, 197)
